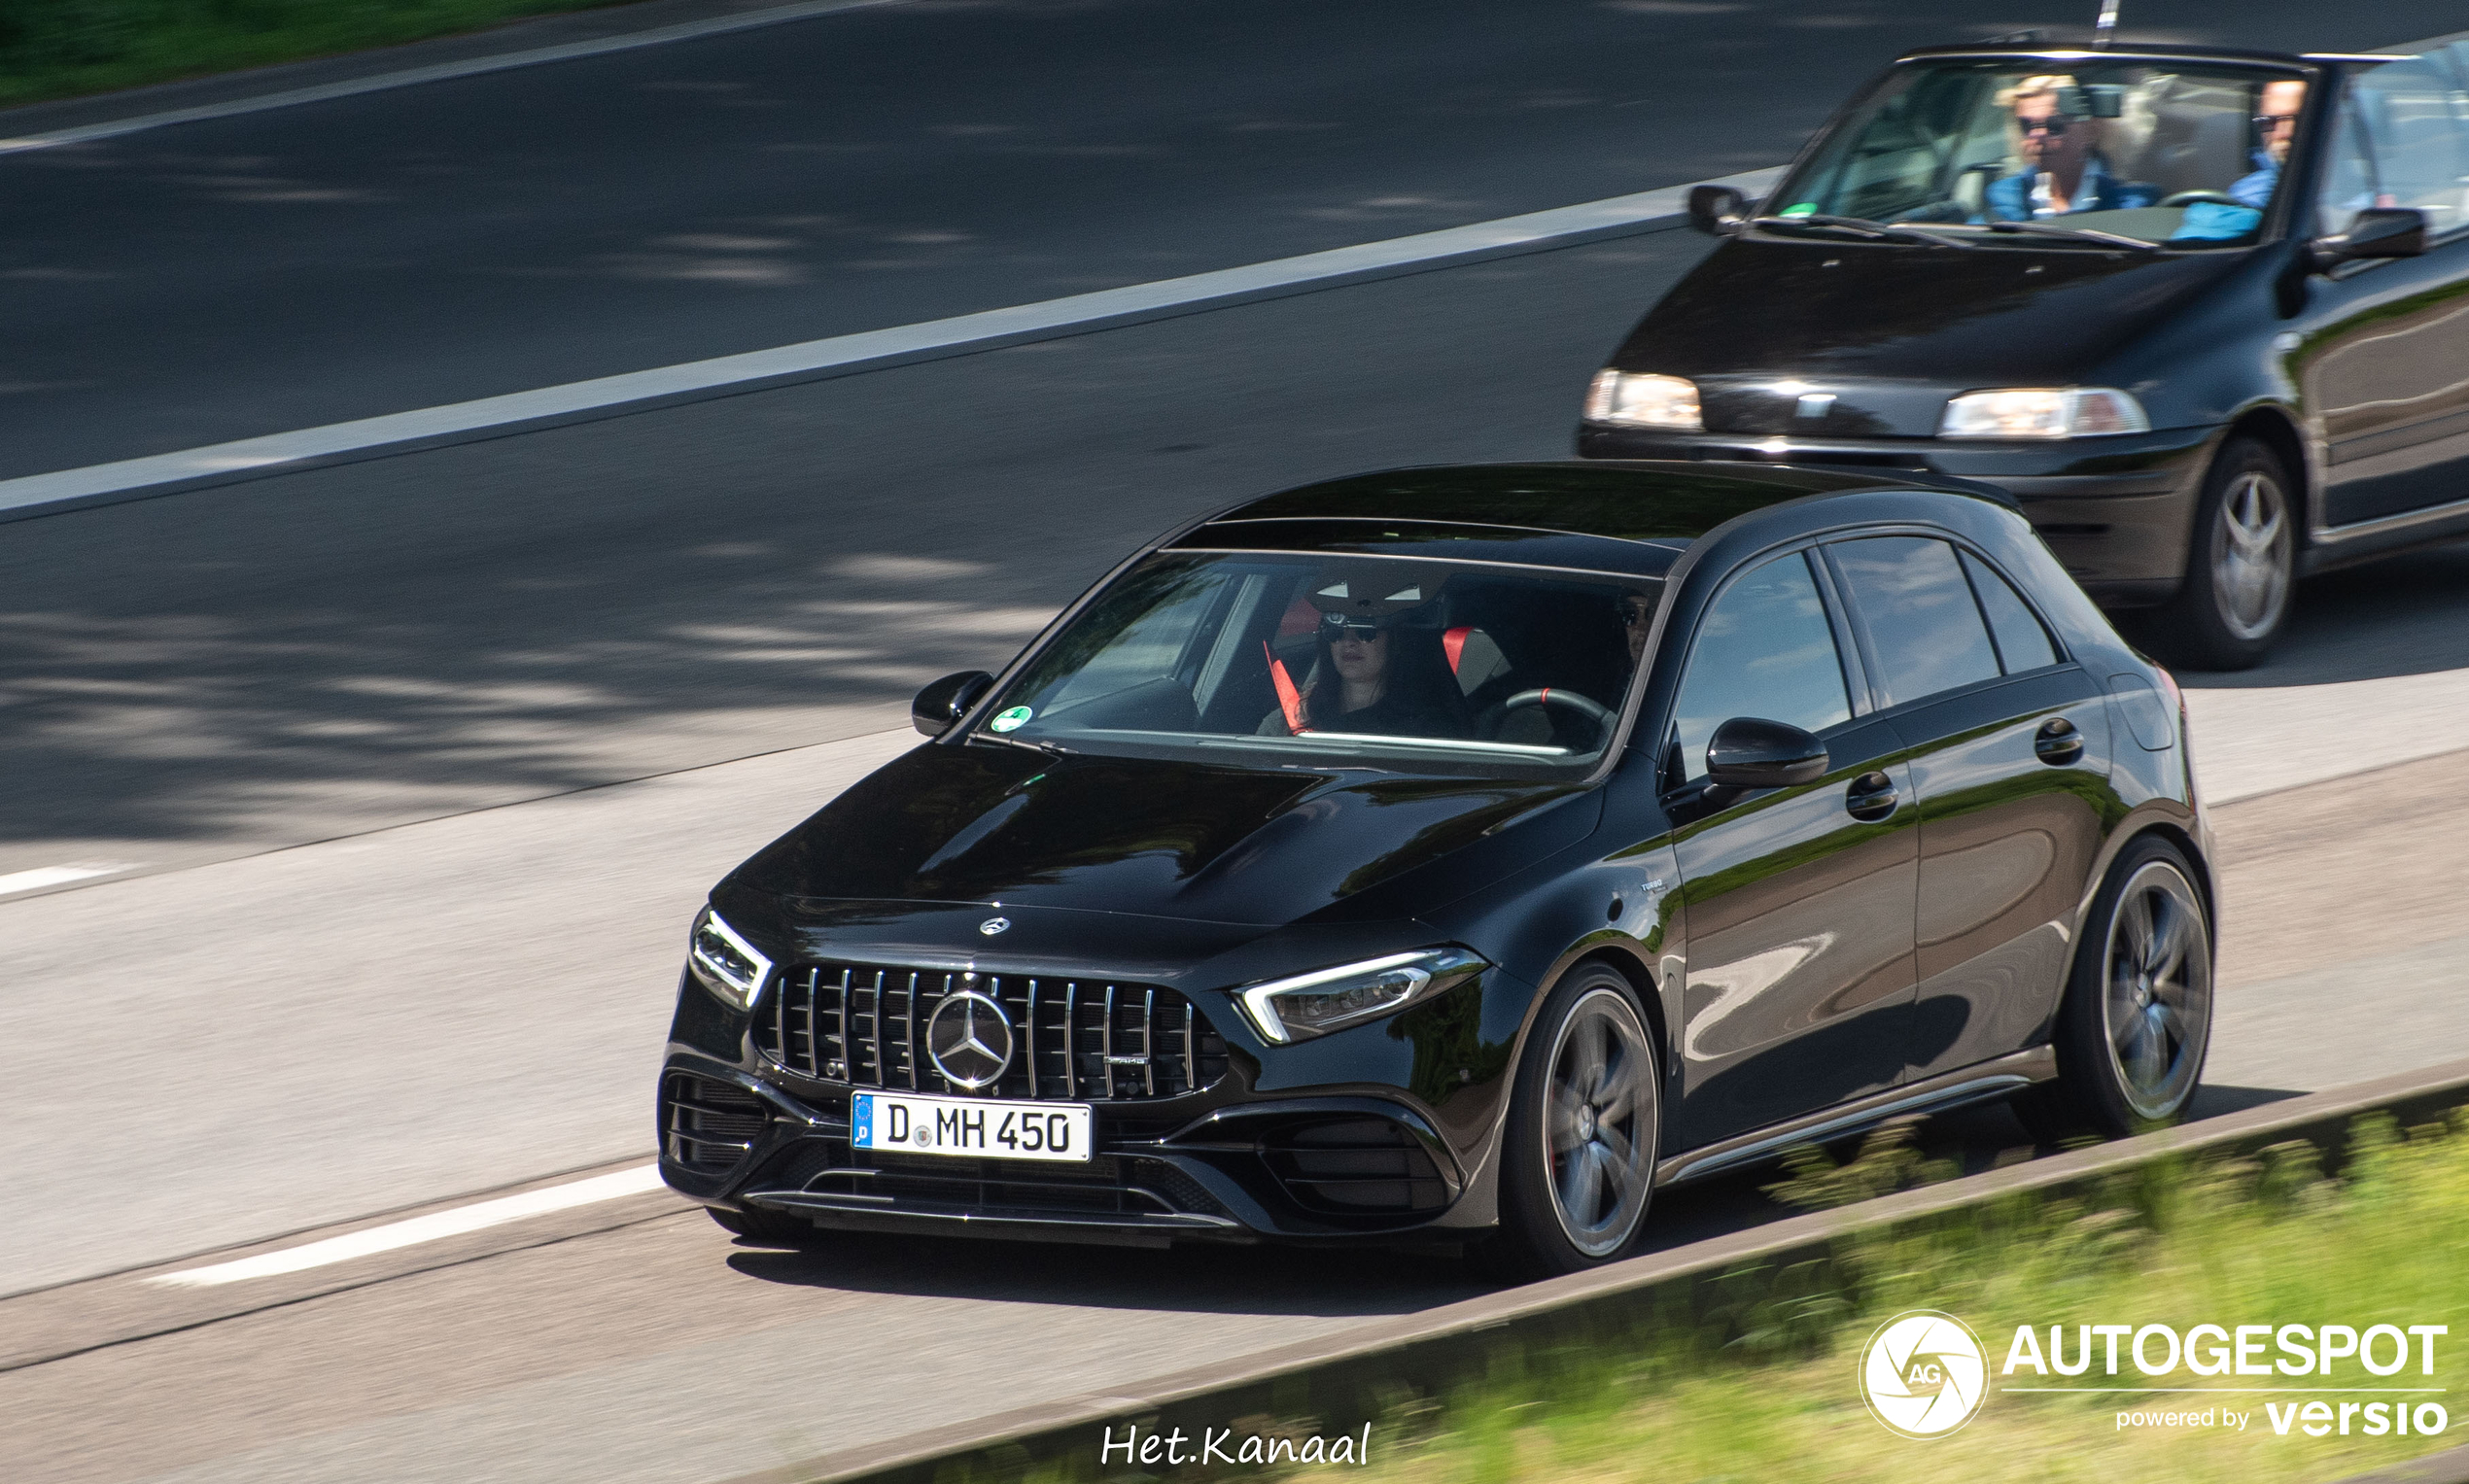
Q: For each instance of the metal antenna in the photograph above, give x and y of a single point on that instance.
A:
(2104, 31)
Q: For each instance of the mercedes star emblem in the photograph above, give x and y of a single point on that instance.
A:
(970, 1040)
(992, 925)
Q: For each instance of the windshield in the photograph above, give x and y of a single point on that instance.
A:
(1277, 660)
(2178, 155)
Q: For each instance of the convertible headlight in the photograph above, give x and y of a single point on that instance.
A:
(2057, 412)
(728, 965)
(1307, 1005)
(1640, 400)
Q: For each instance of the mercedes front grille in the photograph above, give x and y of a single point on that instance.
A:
(1083, 1040)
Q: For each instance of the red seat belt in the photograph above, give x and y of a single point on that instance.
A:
(1289, 699)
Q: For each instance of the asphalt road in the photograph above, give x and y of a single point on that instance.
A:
(422, 763)
(459, 239)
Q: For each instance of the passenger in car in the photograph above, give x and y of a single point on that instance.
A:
(2276, 124)
(2064, 171)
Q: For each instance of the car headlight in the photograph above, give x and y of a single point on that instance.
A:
(1642, 400)
(2054, 412)
(728, 965)
(1307, 1005)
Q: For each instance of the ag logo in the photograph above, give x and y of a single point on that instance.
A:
(1923, 1373)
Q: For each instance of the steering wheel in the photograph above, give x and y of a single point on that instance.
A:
(2198, 197)
(1567, 699)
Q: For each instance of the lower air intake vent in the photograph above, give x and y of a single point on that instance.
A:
(1356, 1168)
(706, 1124)
(1084, 1040)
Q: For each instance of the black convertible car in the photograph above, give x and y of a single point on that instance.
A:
(1460, 853)
(2205, 312)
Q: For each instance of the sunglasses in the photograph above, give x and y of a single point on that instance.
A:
(1362, 629)
(2265, 124)
(2053, 125)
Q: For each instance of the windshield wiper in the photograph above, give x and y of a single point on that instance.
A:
(1862, 226)
(2076, 233)
(1050, 749)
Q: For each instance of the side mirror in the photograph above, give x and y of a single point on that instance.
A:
(2378, 231)
(1717, 209)
(946, 701)
(1749, 752)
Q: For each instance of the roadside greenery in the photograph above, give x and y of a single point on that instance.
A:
(52, 48)
(1750, 1376)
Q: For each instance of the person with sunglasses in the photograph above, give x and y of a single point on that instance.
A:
(2275, 124)
(1373, 674)
(2064, 171)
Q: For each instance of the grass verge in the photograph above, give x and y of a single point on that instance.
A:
(1750, 1376)
(58, 48)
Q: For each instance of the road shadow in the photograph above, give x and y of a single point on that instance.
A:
(2401, 616)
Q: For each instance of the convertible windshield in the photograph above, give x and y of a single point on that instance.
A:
(1269, 659)
(2177, 155)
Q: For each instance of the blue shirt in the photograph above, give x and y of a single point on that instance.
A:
(2215, 222)
(2010, 199)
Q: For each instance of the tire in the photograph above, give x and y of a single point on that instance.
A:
(2136, 1021)
(1585, 1127)
(765, 1228)
(2241, 564)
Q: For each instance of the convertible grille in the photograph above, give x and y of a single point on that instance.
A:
(1084, 1040)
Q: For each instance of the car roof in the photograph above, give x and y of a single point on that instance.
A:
(1635, 516)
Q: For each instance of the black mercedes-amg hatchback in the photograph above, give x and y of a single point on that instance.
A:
(1459, 854)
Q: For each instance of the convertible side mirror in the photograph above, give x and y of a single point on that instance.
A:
(946, 701)
(1717, 209)
(1751, 752)
(2378, 231)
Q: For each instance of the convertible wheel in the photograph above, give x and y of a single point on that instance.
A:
(1584, 1124)
(2136, 1021)
(2241, 566)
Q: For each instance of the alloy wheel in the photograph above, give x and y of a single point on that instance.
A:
(2251, 558)
(2157, 1004)
(1600, 1120)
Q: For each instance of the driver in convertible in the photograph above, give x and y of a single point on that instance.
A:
(2064, 171)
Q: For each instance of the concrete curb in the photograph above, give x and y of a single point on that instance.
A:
(608, 396)
(435, 60)
(1439, 1346)
(2450, 1467)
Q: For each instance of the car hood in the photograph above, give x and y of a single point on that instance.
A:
(1158, 838)
(1894, 332)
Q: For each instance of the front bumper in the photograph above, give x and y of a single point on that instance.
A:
(741, 1126)
(2118, 512)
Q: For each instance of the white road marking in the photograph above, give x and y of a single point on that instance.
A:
(845, 355)
(55, 876)
(434, 1227)
(439, 73)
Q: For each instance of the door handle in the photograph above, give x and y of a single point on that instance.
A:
(2058, 743)
(1871, 798)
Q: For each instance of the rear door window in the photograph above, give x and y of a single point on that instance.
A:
(1765, 649)
(2022, 643)
(1925, 631)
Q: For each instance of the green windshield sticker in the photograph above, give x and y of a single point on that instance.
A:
(1010, 720)
(1804, 209)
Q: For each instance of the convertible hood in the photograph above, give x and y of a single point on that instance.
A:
(987, 824)
(1894, 332)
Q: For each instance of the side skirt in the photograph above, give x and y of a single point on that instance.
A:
(1976, 1084)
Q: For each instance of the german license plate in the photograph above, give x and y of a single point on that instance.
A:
(971, 1127)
